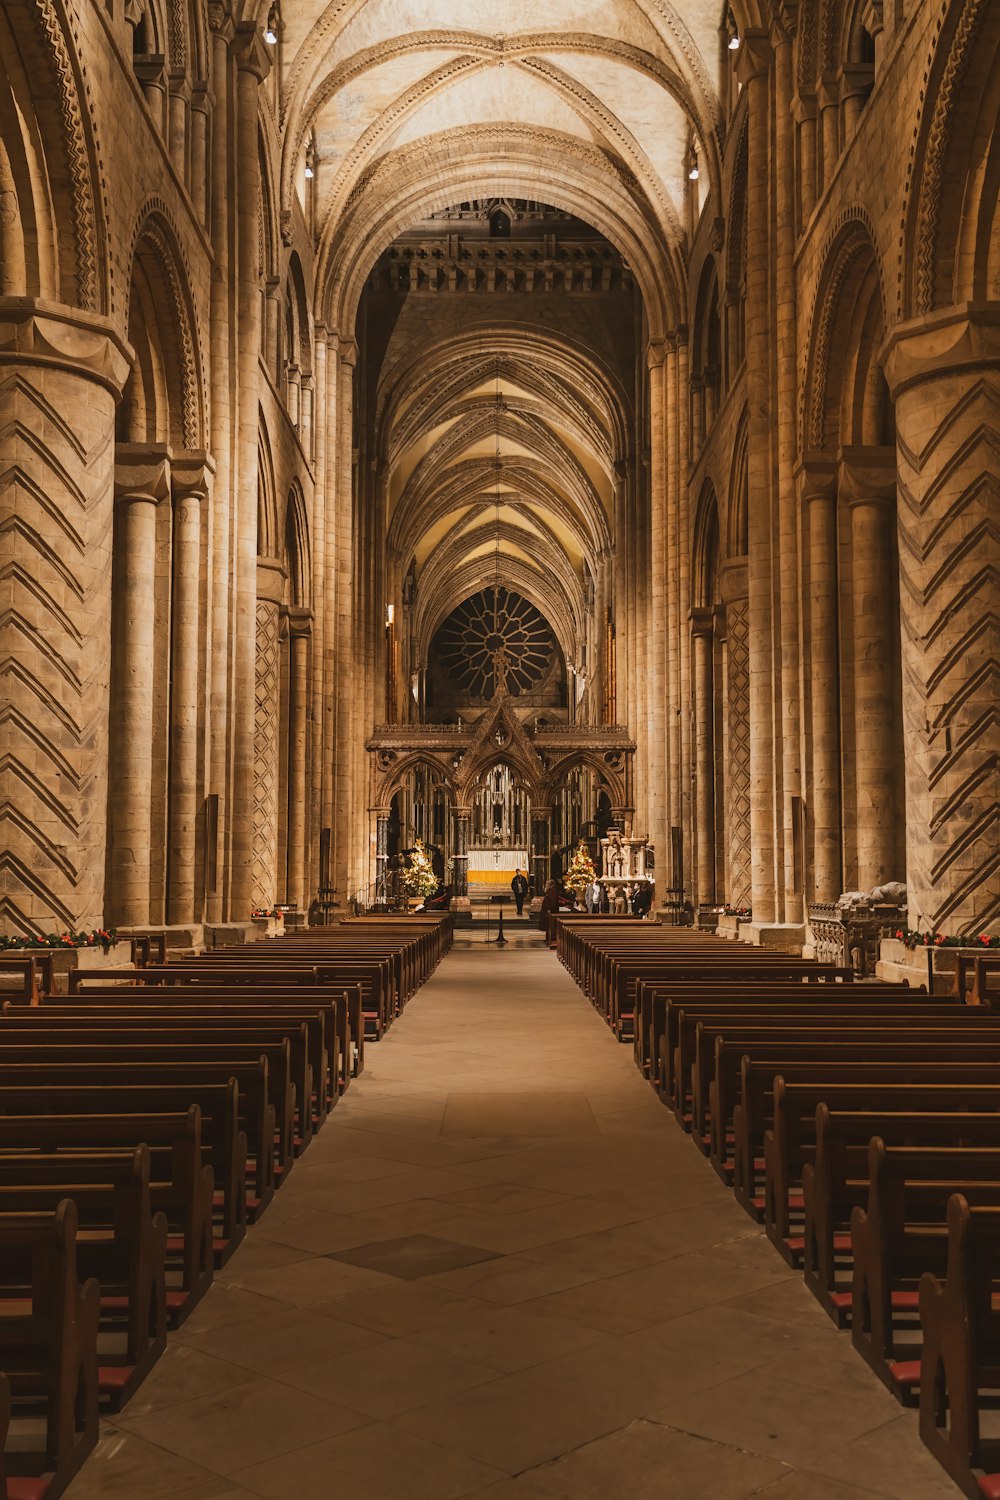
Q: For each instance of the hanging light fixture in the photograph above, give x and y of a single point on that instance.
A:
(271, 29)
(692, 164)
(734, 35)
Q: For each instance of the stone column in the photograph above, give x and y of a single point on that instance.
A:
(702, 644)
(733, 583)
(754, 62)
(463, 817)
(381, 854)
(806, 116)
(657, 625)
(190, 481)
(320, 686)
(789, 903)
(177, 118)
(675, 394)
(253, 65)
(61, 373)
(298, 690)
(829, 106)
(868, 488)
(267, 689)
(142, 481)
(541, 842)
(221, 548)
(200, 103)
(817, 481)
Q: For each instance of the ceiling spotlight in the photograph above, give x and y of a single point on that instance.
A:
(309, 171)
(271, 36)
(271, 29)
(734, 42)
(693, 173)
(733, 32)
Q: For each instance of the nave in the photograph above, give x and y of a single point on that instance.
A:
(502, 1270)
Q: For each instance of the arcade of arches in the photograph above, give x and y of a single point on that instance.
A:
(608, 406)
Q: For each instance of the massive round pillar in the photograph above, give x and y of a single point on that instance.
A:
(943, 373)
(61, 373)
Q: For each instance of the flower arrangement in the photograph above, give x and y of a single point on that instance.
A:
(259, 912)
(745, 913)
(913, 938)
(101, 937)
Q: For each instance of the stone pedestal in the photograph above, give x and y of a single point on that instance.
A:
(918, 966)
(785, 937)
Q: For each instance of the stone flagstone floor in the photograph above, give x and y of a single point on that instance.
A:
(502, 1271)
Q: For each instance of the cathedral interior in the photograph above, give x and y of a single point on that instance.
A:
(346, 347)
(513, 434)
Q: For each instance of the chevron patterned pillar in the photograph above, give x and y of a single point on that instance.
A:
(61, 374)
(944, 374)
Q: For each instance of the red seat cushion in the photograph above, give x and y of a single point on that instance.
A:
(906, 1372)
(989, 1486)
(906, 1301)
(27, 1489)
(114, 1377)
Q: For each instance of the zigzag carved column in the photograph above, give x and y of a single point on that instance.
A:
(267, 690)
(61, 374)
(945, 376)
(734, 594)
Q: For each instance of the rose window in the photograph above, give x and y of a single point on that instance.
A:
(496, 636)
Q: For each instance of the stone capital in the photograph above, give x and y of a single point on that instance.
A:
(655, 354)
(816, 477)
(142, 472)
(300, 621)
(220, 17)
(702, 621)
(250, 51)
(733, 580)
(754, 56)
(872, 18)
(191, 472)
(959, 340)
(36, 332)
(866, 474)
(271, 577)
(202, 98)
(150, 68)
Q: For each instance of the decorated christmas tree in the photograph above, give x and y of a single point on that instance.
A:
(581, 870)
(416, 875)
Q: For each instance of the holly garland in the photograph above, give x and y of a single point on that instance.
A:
(101, 937)
(913, 938)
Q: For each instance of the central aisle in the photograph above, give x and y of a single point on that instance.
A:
(501, 1258)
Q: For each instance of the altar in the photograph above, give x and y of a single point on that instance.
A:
(492, 870)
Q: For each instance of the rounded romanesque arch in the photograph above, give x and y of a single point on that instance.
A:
(53, 240)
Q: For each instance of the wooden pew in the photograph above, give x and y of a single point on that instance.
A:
(960, 1354)
(899, 1235)
(223, 1137)
(181, 1181)
(834, 1170)
(778, 1101)
(121, 1242)
(716, 1077)
(48, 1343)
(269, 1136)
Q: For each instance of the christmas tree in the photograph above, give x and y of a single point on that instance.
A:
(416, 875)
(581, 870)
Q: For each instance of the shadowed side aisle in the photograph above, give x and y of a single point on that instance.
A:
(501, 1258)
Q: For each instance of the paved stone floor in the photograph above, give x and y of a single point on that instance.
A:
(501, 1271)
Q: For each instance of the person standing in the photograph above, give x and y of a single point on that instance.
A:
(593, 896)
(519, 885)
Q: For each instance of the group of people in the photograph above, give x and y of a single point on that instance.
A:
(637, 898)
